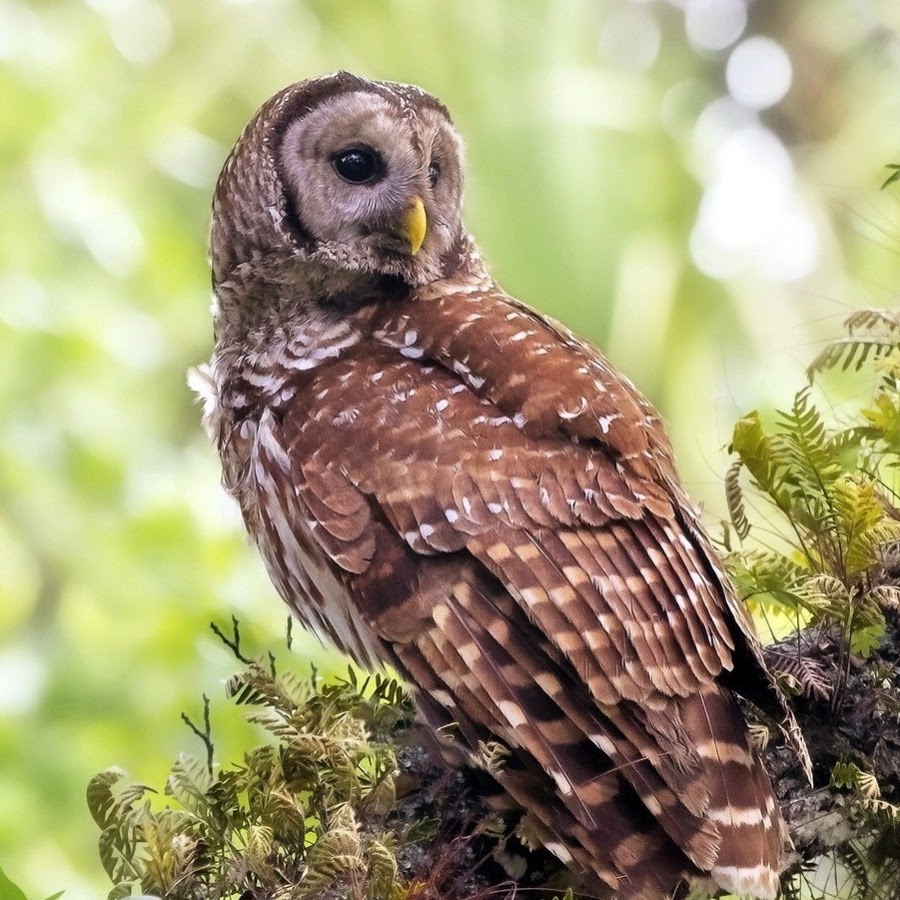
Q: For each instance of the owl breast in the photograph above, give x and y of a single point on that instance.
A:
(241, 400)
(283, 529)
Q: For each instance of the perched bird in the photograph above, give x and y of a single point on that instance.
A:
(444, 480)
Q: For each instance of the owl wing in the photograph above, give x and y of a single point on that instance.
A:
(554, 385)
(539, 586)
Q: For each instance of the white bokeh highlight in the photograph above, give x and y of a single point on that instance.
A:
(758, 72)
(752, 218)
(714, 24)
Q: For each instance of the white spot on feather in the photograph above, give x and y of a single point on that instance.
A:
(729, 815)
(513, 713)
(760, 880)
(559, 851)
(445, 698)
(573, 414)
(605, 421)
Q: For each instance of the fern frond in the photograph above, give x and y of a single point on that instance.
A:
(188, 782)
(169, 851)
(803, 447)
(845, 775)
(111, 794)
(809, 676)
(883, 813)
(381, 860)
(734, 497)
(755, 451)
(851, 352)
(858, 517)
(854, 860)
(886, 596)
(873, 318)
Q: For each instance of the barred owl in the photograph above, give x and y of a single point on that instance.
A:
(441, 479)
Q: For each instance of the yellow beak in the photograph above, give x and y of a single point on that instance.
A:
(415, 225)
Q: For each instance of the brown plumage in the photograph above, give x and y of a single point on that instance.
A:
(440, 478)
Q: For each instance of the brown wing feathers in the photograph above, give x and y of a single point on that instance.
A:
(575, 620)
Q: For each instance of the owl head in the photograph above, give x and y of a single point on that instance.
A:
(335, 181)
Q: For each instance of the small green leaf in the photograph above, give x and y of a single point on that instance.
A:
(894, 176)
(188, 783)
(865, 640)
(9, 891)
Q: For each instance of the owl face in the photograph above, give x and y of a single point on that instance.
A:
(364, 175)
(359, 177)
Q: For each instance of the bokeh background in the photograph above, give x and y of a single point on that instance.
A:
(694, 185)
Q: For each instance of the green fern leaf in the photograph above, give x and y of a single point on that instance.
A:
(110, 794)
(855, 862)
(754, 448)
(118, 847)
(866, 639)
(382, 867)
(851, 353)
(734, 497)
(845, 775)
(188, 782)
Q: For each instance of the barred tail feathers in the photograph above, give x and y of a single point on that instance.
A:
(742, 803)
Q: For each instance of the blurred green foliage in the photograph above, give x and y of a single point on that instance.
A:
(590, 162)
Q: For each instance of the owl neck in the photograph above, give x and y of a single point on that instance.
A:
(269, 341)
(263, 295)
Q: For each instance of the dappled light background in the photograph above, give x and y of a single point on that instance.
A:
(693, 185)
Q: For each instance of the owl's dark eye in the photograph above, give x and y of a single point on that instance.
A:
(357, 164)
(434, 172)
